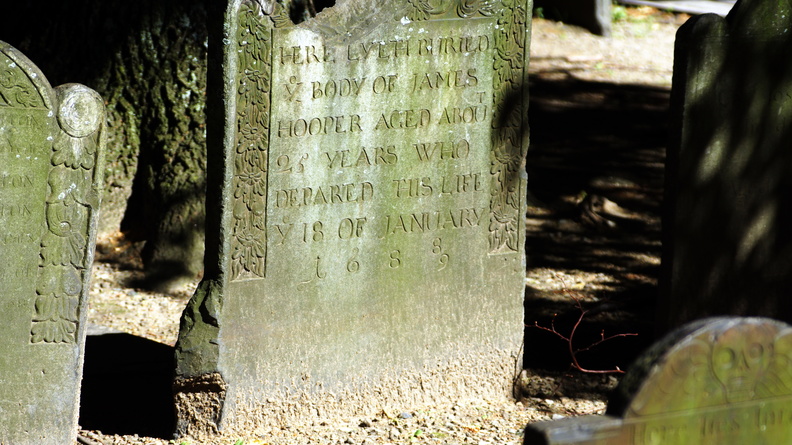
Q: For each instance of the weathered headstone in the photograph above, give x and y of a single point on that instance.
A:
(594, 15)
(50, 180)
(716, 381)
(368, 196)
(728, 225)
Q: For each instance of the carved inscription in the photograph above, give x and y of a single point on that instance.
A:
(377, 138)
(384, 50)
(771, 418)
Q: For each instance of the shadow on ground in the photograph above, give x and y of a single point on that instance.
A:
(126, 386)
(595, 175)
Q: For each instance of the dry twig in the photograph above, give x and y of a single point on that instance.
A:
(569, 339)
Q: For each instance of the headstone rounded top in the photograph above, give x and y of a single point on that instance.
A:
(709, 363)
(81, 110)
(22, 84)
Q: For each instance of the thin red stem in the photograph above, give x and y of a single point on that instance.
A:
(570, 344)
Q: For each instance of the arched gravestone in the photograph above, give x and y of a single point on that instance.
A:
(728, 193)
(716, 381)
(367, 197)
(50, 180)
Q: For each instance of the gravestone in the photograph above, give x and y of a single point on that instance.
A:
(715, 381)
(367, 201)
(727, 225)
(594, 15)
(50, 182)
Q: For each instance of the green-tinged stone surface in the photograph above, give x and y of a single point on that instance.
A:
(50, 178)
(728, 187)
(367, 193)
(716, 381)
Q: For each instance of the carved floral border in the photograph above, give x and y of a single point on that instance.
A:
(249, 183)
(65, 246)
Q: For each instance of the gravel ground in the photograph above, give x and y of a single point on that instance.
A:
(639, 52)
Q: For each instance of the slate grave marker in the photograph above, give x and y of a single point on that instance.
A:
(51, 158)
(715, 381)
(727, 237)
(368, 194)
